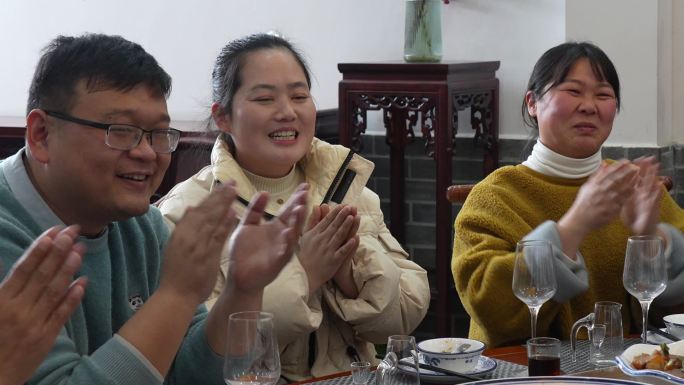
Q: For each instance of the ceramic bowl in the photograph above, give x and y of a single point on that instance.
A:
(675, 324)
(443, 353)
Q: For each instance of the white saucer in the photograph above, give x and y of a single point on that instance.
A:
(657, 339)
(484, 366)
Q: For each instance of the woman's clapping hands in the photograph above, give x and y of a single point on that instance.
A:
(259, 250)
(640, 212)
(630, 191)
(601, 198)
(329, 243)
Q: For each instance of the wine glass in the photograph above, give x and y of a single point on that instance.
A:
(598, 335)
(534, 276)
(251, 350)
(645, 273)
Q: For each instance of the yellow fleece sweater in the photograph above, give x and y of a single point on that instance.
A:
(500, 211)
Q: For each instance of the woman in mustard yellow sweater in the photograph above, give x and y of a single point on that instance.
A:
(565, 193)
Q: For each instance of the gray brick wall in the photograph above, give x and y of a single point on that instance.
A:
(467, 168)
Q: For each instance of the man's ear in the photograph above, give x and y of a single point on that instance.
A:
(221, 118)
(531, 103)
(37, 135)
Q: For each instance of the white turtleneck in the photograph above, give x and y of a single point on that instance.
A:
(545, 161)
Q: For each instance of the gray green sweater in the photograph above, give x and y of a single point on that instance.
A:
(123, 267)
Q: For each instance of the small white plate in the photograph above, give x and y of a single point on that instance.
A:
(484, 366)
(624, 361)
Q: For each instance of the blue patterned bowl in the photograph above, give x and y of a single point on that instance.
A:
(443, 353)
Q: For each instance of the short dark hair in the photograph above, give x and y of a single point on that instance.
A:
(553, 66)
(103, 61)
(226, 74)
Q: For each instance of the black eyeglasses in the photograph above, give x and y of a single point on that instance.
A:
(125, 137)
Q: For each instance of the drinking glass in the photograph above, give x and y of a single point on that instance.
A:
(360, 371)
(604, 326)
(645, 273)
(400, 365)
(534, 277)
(543, 356)
(251, 350)
(598, 335)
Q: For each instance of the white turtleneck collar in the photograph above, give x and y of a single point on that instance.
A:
(545, 161)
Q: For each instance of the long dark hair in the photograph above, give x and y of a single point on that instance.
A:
(226, 76)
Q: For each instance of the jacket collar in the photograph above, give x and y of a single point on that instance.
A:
(321, 165)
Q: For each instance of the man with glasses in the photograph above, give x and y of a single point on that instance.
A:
(126, 137)
(98, 143)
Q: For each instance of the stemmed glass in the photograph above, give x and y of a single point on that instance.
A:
(251, 350)
(598, 335)
(534, 276)
(645, 273)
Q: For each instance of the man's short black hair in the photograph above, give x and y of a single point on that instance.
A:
(102, 61)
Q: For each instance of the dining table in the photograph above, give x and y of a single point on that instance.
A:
(512, 362)
(580, 367)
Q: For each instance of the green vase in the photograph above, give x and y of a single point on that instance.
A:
(423, 31)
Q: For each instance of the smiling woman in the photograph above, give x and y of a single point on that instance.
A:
(566, 194)
(584, 81)
(271, 117)
(351, 282)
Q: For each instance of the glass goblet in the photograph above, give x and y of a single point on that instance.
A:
(598, 335)
(645, 272)
(534, 276)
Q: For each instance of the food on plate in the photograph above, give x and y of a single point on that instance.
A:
(660, 359)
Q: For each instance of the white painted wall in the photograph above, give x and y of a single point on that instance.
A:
(515, 32)
(678, 71)
(664, 76)
(185, 36)
(644, 39)
(631, 41)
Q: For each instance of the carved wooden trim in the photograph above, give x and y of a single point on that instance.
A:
(481, 111)
(358, 125)
(428, 123)
(378, 101)
(391, 105)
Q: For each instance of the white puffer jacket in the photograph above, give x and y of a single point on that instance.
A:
(393, 291)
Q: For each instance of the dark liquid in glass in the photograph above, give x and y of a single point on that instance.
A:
(543, 366)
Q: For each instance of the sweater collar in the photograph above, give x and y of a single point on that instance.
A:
(286, 183)
(545, 161)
